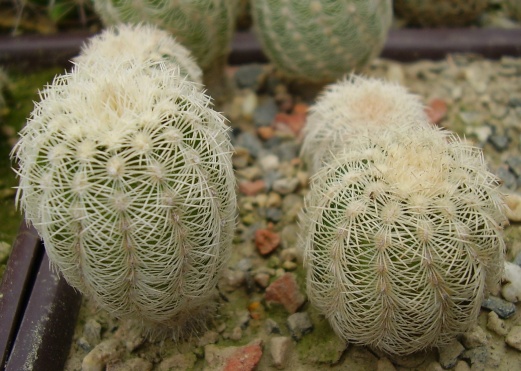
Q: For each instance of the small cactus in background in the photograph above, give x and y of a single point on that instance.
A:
(402, 232)
(352, 105)
(318, 40)
(428, 13)
(205, 27)
(126, 174)
(137, 44)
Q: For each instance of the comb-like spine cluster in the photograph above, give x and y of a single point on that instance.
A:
(125, 171)
(402, 228)
(439, 13)
(205, 27)
(319, 40)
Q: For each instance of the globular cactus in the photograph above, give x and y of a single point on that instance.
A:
(205, 27)
(401, 234)
(126, 174)
(136, 44)
(428, 13)
(352, 105)
(319, 40)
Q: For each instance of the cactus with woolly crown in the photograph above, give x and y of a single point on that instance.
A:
(401, 232)
(318, 40)
(125, 171)
(439, 13)
(138, 43)
(205, 27)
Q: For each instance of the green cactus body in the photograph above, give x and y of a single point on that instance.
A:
(319, 40)
(205, 27)
(137, 44)
(430, 13)
(401, 236)
(126, 174)
(352, 105)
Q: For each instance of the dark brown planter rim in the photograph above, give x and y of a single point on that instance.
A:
(402, 45)
(38, 310)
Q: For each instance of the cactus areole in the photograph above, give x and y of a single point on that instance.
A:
(402, 236)
(126, 174)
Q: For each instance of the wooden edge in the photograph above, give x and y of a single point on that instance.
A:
(16, 285)
(402, 45)
(44, 337)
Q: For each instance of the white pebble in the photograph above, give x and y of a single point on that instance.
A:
(511, 290)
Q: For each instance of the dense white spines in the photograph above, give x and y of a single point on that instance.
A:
(401, 233)
(126, 173)
(139, 43)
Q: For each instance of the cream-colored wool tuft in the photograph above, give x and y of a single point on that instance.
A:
(402, 228)
(126, 174)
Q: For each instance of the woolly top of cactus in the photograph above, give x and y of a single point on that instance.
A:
(205, 27)
(140, 43)
(401, 237)
(354, 106)
(126, 174)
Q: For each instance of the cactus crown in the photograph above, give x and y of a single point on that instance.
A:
(401, 234)
(351, 107)
(126, 174)
(139, 43)
(320, 40)
(205, 27)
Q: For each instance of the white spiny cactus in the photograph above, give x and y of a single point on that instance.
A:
(126, 174)
(402, 230)
(138, 43)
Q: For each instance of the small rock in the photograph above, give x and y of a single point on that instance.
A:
(514, 163)
(384, 364)
(289, 236)
(511, 289)
(274, 200)
(233, 279)
(285, 186)
(299, 324)
(462, 366)
(244, 358)
(236, 333)
(248, 76)
(240, 158)
(436, 110)
(131, 335)
(292, 205)
(251, 188)
(478, 357)
(434, 366)
(499, 142)
(266, 241)
(103, 353)
(262, 279)
(249, 104)
(269, 162)
(179, 362)
(289, 265)
(280, 350)
(92, 332)
(395, 73)
(496, 324)
(514, 337)
(450, 353)
(209, 337)
(475, 337)
(292, 122)
(513, 209)
(265, 132)
(271, 326)
(284, 290)
(503, 308)
(265, 113)
(273, 214)
(250, 142)
(133, 364)
(508, 178)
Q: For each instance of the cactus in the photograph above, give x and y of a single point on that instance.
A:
(318, 40)
(401, 234)
(137, 44)
(428, 13)
(205, 27)
(126, 174)
(359, 102)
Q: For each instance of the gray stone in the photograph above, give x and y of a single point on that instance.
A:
(299, 324)
(271, 326)
(500, 142)
(508, 178)
(450, 353)
(514, 162)
(285, 186)
(92, 332)
(503, 308)
(248, 76)
(478, 357)
(514, 337)
(265, 112)
(273, 214)
(250, 142)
